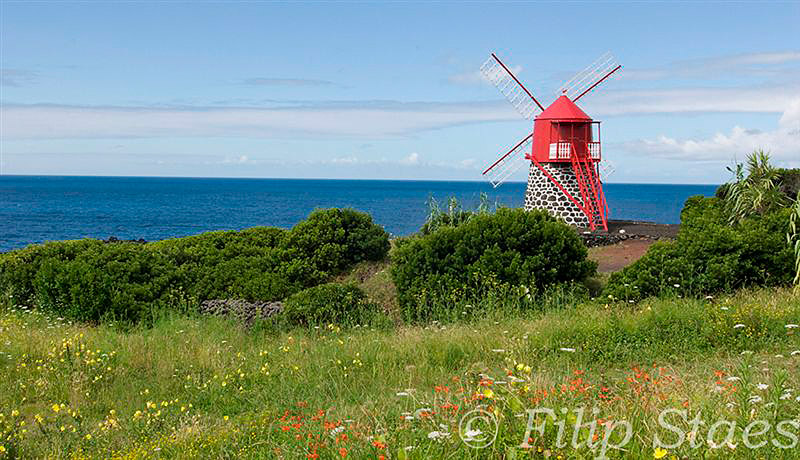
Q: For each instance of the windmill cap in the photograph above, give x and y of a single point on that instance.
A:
(563, 109)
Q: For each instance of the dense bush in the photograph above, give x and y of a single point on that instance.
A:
(18, 268)
(790, 181)
(710, 255)
(332, 239)
(115, 282)
(510, 248)
(331, 303)
(91, 280)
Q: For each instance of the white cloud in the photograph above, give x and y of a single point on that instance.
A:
(782, 142)
(412, 159)
(345, 160)
(765, 98)
(759, 64)
(364, 120)
(240, 160)
(367, 121)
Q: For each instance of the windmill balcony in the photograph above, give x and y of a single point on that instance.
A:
(565, 150)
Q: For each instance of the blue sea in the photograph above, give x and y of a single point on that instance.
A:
(35, 209)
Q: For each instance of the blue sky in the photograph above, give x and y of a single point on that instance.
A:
(386, 90)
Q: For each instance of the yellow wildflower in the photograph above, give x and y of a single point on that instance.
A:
(659, 453)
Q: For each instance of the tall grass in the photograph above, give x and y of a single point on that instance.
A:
(201, 387)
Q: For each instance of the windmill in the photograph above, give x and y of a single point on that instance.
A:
(563, 149)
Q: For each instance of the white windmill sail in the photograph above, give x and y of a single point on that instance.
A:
(509, 163)
(588, 78)
(501, 77)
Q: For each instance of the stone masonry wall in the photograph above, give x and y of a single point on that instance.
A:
(542, 193)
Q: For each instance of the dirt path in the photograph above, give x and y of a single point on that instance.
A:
(618, 256)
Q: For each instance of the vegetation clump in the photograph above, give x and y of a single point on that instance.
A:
(329, 303)
(735, 239)
(508, 250)
(89, 280)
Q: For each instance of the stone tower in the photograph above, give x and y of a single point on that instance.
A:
(542, 193)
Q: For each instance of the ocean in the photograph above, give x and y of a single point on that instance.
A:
(35, 209)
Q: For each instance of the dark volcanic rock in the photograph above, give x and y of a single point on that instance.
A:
(241, 310)
(114, 239)
(621, 230)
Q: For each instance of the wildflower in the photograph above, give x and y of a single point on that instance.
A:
(733, 379)
(343, 452)
(792, 326)
(470, 435)
(738, 326)
(676, 285)
(88, 437)
(570, 350)
(795, 353)
(659, 453)
(438, 434)
(56, 408)
(498, 350)
(402, 393)
(755, 399)
(762, 386)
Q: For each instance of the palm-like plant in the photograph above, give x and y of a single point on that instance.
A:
(793, 237)
(756, 193)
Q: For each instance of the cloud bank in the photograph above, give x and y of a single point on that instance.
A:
(782, 142)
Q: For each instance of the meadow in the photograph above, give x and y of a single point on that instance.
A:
(206, 387)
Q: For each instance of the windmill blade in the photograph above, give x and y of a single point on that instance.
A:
(510, 87)
(588, 79)
(607, 168)
(509, 163)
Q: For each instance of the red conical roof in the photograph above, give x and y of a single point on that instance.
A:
(563, 109)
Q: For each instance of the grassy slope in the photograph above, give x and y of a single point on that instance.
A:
(203, 387)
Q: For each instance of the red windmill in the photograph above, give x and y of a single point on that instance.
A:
(564, 147)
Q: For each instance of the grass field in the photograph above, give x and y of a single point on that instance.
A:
(200, 387)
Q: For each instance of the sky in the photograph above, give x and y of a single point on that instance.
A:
(387, 90)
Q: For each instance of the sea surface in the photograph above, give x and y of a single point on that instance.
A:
(35, 209)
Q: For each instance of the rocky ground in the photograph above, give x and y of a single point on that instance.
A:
(625, 242)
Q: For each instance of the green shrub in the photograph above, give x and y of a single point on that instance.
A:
(18, 268)
(90, 280)
(332, 239)
(790, 181)
(121, 282)
(508, 249)
(330, 303)
(710, 255)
